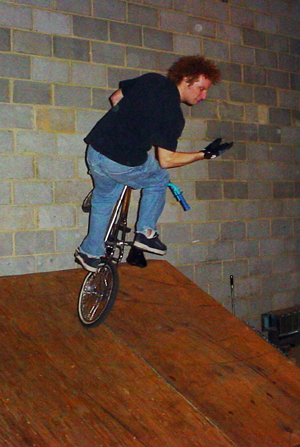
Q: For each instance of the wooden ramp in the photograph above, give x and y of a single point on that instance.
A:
(170, 368)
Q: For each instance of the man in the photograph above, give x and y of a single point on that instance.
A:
(146, 113)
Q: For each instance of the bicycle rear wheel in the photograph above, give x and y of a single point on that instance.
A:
(98, 294)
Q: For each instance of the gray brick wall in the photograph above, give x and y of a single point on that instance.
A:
(59, 63)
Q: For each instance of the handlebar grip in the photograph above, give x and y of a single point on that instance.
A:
(183, 202)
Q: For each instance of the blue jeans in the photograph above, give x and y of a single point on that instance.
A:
(109, 178)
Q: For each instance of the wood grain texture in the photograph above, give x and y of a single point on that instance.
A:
(170, 367)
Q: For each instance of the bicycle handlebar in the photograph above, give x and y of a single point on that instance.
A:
(179, 196)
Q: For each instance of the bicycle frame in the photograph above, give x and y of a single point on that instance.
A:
(117, 223)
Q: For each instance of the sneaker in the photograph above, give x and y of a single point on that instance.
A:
(87, 262)
(153, 245)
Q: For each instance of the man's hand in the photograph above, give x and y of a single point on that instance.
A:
(216, 148)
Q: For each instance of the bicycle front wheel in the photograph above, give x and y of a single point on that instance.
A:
(98, 294)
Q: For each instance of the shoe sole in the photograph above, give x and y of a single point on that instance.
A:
(84, 265)
(149, 249)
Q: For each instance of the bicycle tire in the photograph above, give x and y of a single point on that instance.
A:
(98, 294)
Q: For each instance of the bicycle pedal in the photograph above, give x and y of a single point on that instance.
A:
(136, 257)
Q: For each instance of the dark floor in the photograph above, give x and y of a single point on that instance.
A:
(294, 354)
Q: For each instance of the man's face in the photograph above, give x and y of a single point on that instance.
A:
(193, 93)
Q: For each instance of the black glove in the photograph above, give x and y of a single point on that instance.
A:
(214, 149)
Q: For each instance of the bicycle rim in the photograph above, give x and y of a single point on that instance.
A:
(98, 294)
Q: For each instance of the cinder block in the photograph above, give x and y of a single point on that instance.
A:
(201, 27)
(278, 79)
(142, 15)
(17, 218)
(267, 23)
(125, 33)
(4, 90)
(187, 44)
(6, 244)
(56, 216)
(6, 142)
(295, 46)
(143, 59)
(288, 62)
(248, 287)
(110, 54)
(160, 40)
(55, 120)
(246, 249)
(239, 269)
(272, 246)
(235, 190)
(16, 167)
(84, 74)
(14, 66)
(82, 7)
(282, 228)
(71, 144)
(110, 9)
(284, 190)
(219, 11)
(50, 70)
(32, 193)
(206, 109)
(288, 27)
(192, 253)
(260, 190)
(289, 99)
(242, 17)
(176, 233)
(209, 190)
(260, 266)
(229, 33)
(229, 111)
(15, 16)
(70, 191)
(32, 142)
(295, 81)
(194, 128)
(230, 71)
(222, 250)
(271, 209)
(241, 93)
(222, 210)
(216, 49)
(67, 240)
(55, 168)
(266, 58)
(54, 262)
(70, 48)
(115, 75)
(254, 38)
(85, 120)
(245, 132)
(70, 96)
(242, 54)
(255, 75)
(17, 266)
(265, 95)
(31, 43)
(280, 116)
(208, 272)
(278, 43)
(5, 193)
(33, 242)
(173, 21)
(258, 229)
(206, 232)
(248, 209)
(28, 92)
(90, 28)
(52, 22)
(4, 39)
(272, 134)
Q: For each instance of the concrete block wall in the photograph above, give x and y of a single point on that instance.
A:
(60, 61)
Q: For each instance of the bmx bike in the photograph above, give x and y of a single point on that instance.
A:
(99, 289)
